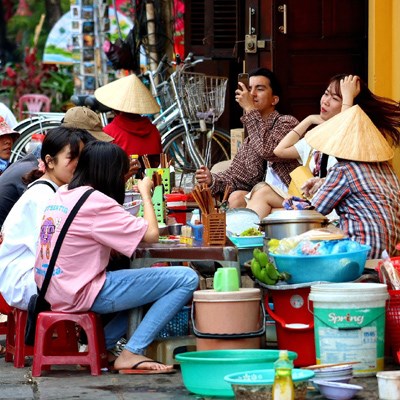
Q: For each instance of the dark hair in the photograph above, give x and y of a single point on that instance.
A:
(273, 81)
(383, 112)
(102, 166)
(55, 140)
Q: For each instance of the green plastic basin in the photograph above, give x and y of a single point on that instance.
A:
(203, 372)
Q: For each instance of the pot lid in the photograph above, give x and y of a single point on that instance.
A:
(279, 216)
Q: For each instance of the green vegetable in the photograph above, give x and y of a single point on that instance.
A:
(251, 232)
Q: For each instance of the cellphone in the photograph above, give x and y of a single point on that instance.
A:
(244, 78)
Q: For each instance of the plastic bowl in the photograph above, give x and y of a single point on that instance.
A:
(257, 384)
(336, 390)
(133, 207)
(203, 372)
(131, 196)
(341, 267)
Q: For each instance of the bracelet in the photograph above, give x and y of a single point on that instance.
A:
(347, 105)
(297, 133)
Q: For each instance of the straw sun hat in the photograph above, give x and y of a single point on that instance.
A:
(350, 135)
(85, 118)
(129, 95)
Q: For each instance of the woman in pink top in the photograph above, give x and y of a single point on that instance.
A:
(80, 281)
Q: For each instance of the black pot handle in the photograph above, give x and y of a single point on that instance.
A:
(244, 335)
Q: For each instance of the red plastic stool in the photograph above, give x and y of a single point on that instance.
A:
(15, 346)
(47, 354)
(5, 309)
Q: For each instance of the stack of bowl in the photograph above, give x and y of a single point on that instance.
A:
(339, 373)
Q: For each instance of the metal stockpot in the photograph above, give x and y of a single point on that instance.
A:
(286, 223)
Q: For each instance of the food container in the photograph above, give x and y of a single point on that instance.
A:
(257, 384)
(203, 372)
(247, 241)
(389, 385)
(286, 223)
(340, 267)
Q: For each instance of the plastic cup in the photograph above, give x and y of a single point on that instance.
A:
(226, 280)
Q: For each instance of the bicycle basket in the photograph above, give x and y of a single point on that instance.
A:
(203, 96)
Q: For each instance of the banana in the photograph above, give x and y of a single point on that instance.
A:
(262, 258)
(264, 278)
(272, 272)
(255, 268)
(256, 252)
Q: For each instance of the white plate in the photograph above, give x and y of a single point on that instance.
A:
(240, 219)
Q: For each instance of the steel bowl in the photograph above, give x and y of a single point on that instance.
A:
(286, 223)
(175, 229)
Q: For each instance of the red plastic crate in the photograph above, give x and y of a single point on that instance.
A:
(393, 323)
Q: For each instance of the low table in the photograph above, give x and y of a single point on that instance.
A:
(148, 254)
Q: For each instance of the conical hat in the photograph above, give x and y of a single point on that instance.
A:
(129, 95)
(350, 135)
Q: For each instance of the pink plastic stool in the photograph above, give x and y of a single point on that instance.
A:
(47, 353)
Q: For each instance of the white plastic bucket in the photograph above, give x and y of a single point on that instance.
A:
(349, 324)
(389, 385)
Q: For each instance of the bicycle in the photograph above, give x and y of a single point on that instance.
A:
(190, 105)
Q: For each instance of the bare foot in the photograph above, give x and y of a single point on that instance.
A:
(127, 360)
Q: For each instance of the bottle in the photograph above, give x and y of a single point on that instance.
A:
(283, 388)
(195, 216)
(35, 144)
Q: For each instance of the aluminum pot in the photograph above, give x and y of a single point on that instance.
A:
(286, 223)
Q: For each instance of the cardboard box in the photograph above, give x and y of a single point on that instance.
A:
(237, 137)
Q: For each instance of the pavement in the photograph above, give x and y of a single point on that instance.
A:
(71, 382)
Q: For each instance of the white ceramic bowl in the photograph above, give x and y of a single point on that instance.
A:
(337, 390)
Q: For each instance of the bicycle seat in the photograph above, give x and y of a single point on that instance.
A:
(90, 101)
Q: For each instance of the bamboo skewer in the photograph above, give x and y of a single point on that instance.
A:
(321, 366)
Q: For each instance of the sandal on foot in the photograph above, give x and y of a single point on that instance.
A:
(140, 371)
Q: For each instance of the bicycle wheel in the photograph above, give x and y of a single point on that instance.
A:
(174, 144)
(19, 148)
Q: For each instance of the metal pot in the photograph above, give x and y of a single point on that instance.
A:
(286, 223)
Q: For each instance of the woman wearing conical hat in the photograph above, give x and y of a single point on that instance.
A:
(362, 187)
(131, 129)
(342, 92)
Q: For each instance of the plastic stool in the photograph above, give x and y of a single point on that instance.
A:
(47, 353)
(165, 349)
(5, 309)
(15, 346)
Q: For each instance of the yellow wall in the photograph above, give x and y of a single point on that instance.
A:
(384, 52)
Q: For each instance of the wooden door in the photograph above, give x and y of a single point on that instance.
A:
(305, 42)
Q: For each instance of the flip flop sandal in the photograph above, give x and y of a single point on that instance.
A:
(136, 371)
